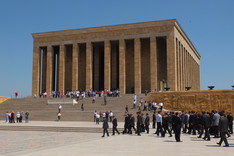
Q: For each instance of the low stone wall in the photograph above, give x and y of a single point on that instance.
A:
(3, 98)
(195, 100)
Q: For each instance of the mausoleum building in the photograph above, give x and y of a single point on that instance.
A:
(131, 57)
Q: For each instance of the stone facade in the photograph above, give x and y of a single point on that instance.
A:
(131, 57)
(196, 100)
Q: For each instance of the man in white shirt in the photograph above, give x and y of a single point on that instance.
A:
(111, 116)
(161, 105)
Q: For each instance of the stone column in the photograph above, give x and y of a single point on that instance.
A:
(183, 68)
(137, 66)
(153, 64)
(49, 70)
(107, 65)
(75, 55)
(89, 66)
(190, 70)
(36, 70)
(198, 76)
(171, 63)
(122, 68)
(179, 65)
(61, 77)
(186, 68)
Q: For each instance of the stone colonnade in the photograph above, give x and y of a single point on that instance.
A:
(187, 67)
(131, 65)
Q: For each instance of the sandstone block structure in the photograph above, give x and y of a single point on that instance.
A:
(131, 57)
(196, 100)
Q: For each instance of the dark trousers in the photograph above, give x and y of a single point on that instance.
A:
(185, 128)
(223, 138)
(125, 129)
(201, 131)
(159, 129)
(216, 131)
(105, 131)
(177, 131)
(115, 129)
(166, 129)
(138, 129)
(207, 133)
(192, 129)
(147, 128)
(132, 127)
(153, 124)
(230, 126)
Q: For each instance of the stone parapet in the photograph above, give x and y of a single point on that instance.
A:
(196, 100)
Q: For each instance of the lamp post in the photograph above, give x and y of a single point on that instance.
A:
(211, 87)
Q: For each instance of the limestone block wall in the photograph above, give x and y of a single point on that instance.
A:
(196, 100)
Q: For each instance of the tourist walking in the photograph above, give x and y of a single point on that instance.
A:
(59, 108)
(105, 127)
(132, 124)
(105, 100)
(230, 123)
(147, 123)
(115, 124)
(154, 119)
(26, 117)
(165, 124)
(159, 124)
(207, 124)
(18, 117)
(139, 123)
(223, 128)
(97, 118)
(176, 124)
(215, 121)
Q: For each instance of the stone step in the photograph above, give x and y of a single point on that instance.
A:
(39, 109)
(56, 129)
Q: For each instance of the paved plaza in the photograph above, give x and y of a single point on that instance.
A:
(42, 143)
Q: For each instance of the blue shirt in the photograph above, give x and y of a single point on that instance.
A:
(159, 118)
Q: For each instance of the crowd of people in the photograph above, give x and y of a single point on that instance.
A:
(80, 94)
(203, 124)
(11, 117)
(100, 116)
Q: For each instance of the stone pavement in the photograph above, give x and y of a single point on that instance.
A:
(35, 143)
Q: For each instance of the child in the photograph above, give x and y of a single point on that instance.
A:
(59, 116)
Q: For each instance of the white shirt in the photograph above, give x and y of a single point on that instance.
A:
(135, 97)
(111, 114)
(97, 116)
(161, 104)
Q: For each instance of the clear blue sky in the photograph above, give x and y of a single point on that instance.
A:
(208, 23)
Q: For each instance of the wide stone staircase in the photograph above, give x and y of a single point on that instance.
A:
(40, 110)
